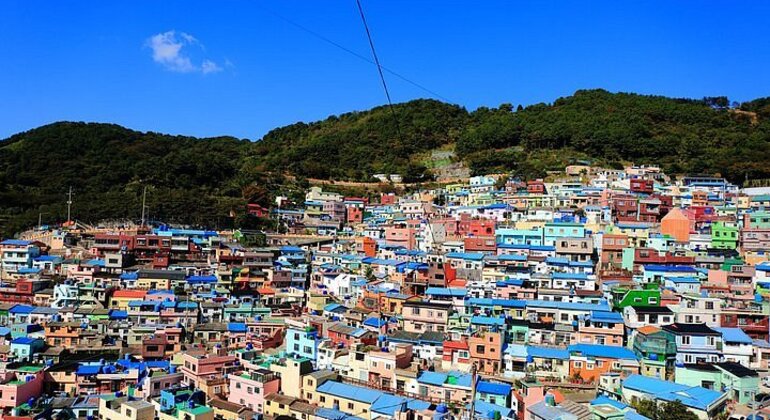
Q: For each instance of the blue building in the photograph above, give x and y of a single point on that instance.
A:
(303, 343)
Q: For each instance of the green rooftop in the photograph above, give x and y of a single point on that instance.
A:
(197, 410)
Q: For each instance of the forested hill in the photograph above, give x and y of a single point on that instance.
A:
(199, 181)
(108, 166)
(682, 135)
(357, 145)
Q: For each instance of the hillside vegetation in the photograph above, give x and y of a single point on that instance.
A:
(192, 180)
(357, 145)
(201, 181)
(681, 135)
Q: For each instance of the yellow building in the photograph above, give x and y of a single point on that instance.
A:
(278, 405)
(347, 398)
(119, 300)
(291, 371)
(120, 408)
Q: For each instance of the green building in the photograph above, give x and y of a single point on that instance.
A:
(623, 296)
(759, 219)
(656, 349)
(740, 382)
(724, 235)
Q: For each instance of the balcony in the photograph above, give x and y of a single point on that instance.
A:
(648, 347)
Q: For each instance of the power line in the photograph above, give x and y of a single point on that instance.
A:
(379, 71)
(355, 54)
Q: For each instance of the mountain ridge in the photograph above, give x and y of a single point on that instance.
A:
(200, 180)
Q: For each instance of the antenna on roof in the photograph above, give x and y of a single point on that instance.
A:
(69, 205)
(144, 204)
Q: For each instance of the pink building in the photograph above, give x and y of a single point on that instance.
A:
(249, 389)
(199, 368)
(400, 236)
(18, 387)
(383, 364)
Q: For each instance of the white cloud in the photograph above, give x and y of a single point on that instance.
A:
(169, 50)
(209, 66)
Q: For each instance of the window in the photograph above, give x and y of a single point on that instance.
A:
(350, 406)
(480, 349)
(578, 365)
(686, 340)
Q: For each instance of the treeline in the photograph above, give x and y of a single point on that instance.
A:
(357, 145)
(207, 181)
(682, 135)
(190, 180)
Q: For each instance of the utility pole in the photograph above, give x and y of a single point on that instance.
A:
(144, 204)
(69, 205)
(472, 411)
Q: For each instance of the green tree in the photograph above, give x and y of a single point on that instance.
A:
(673, 410)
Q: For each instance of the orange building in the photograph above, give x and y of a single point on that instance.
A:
(366, 246)
(677, 225)
(589, 361)
(486, 351)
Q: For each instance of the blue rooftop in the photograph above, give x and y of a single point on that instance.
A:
(335, 307)
(472, 256)
(444, 291)
(332, 414)
(21, 309)
(15, 242)
(547, 353)
(596, 350)
(129, 276)
(201, 279)
(442, 379)
(574, 306)
(23, 340)
(734, 335)
(487, 410)
(289, 248)
(691, 396)
(375, 322)
(487, 321)
(670, 268)
(350, 392)
(683, 280)
(237, 327)
(505, 303)
(86, 370)
(608, 317)
(493, 388)
(570, 276)
(602, 400)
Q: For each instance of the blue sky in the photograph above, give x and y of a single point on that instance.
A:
(235, 68)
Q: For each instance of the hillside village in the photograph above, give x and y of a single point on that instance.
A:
(595, 294)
